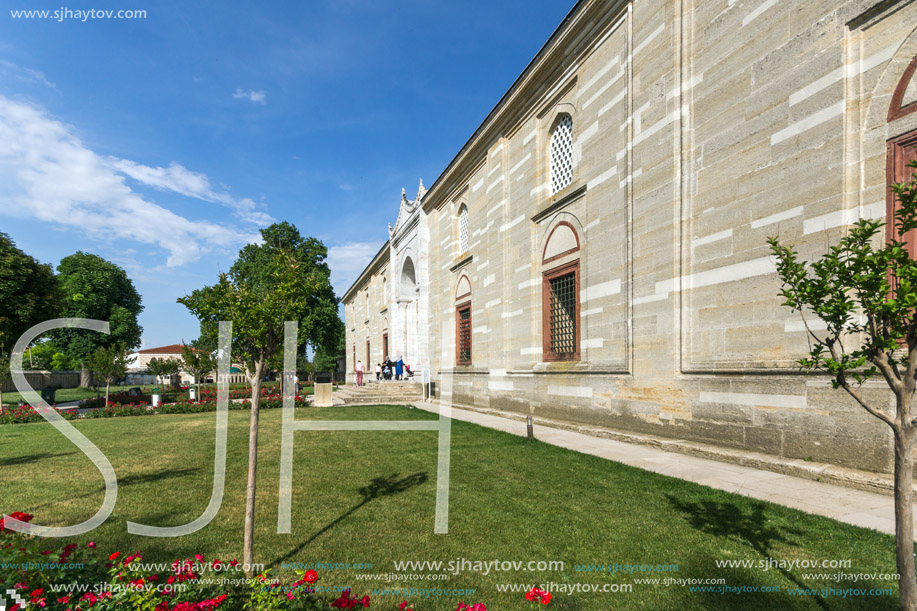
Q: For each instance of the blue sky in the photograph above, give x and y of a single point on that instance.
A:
(164, 143)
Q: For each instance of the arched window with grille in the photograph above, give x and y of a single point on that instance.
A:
(463, 322)
(561, 153)
(560, 294)
(463, 229)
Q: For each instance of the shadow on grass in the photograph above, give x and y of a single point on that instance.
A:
(24, 460)
(378, 487)
(729, 521)
(129, 480)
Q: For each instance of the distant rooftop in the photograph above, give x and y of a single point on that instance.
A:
(171, 349)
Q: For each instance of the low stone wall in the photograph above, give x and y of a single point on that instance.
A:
(47, 379)
(732, 412)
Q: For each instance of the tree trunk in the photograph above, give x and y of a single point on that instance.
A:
(106, 392)
(85, 376)
(248, 553)
(904, 517)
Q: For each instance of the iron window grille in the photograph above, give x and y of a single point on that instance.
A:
(561, 313)
(463, 334)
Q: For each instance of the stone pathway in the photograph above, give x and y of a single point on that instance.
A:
(866, 509)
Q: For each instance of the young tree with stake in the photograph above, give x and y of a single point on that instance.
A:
(865, 291)
(108, 364)
(285, 278)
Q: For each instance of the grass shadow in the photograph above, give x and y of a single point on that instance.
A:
(752, 527)
(129, 480)
(24, 460)
(378, 487)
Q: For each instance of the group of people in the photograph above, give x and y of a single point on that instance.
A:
(384, 371)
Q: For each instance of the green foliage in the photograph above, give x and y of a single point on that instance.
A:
(63, 362)
(197, 362)
(164, 368)
(326, 354)
(29, 293)
(108, 363)
(98, 289)
(257, 265)
(283, 279)
(865, 291)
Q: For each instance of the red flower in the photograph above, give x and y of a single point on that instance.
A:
(91, 545)
(310, 576)
(114, 556)
(17, 515)
(538, 595)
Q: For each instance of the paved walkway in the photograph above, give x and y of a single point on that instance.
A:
(857, 507)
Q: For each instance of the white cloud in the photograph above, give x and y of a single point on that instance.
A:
(183, 181)
(346, 187)
(347, 261)
(25, 74)
(49, 175)
(257, 97)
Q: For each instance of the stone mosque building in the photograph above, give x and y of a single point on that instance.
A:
(595, 253)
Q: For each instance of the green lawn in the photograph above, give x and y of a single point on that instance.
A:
(368, 497)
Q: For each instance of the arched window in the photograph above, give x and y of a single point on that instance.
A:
(463, 229)
(560, 295)
(561, 153)
(463, 322)
(901, 152)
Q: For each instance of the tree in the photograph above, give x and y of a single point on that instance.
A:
(164, 368)
(320, 324)
(96, 288)
(865, 292)
(198, 363)
(5, 374)
(326, 355)
(29, 294)
(108, 363)
(283, 279)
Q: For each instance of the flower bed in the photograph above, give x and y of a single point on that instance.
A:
(27, 413)
(80, 577)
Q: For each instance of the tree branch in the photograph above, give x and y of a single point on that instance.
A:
(842, 381)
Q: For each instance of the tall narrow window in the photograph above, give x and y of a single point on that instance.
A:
(385, 345)
(901, 152)
(463, 334)
(562, 307)
(560, 295)
(463, 322)
(562, 153)
(463, 230)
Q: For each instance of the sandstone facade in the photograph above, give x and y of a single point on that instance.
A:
(699, 128)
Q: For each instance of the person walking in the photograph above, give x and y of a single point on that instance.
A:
(399, 367)
(378, 371)
(359, 369)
